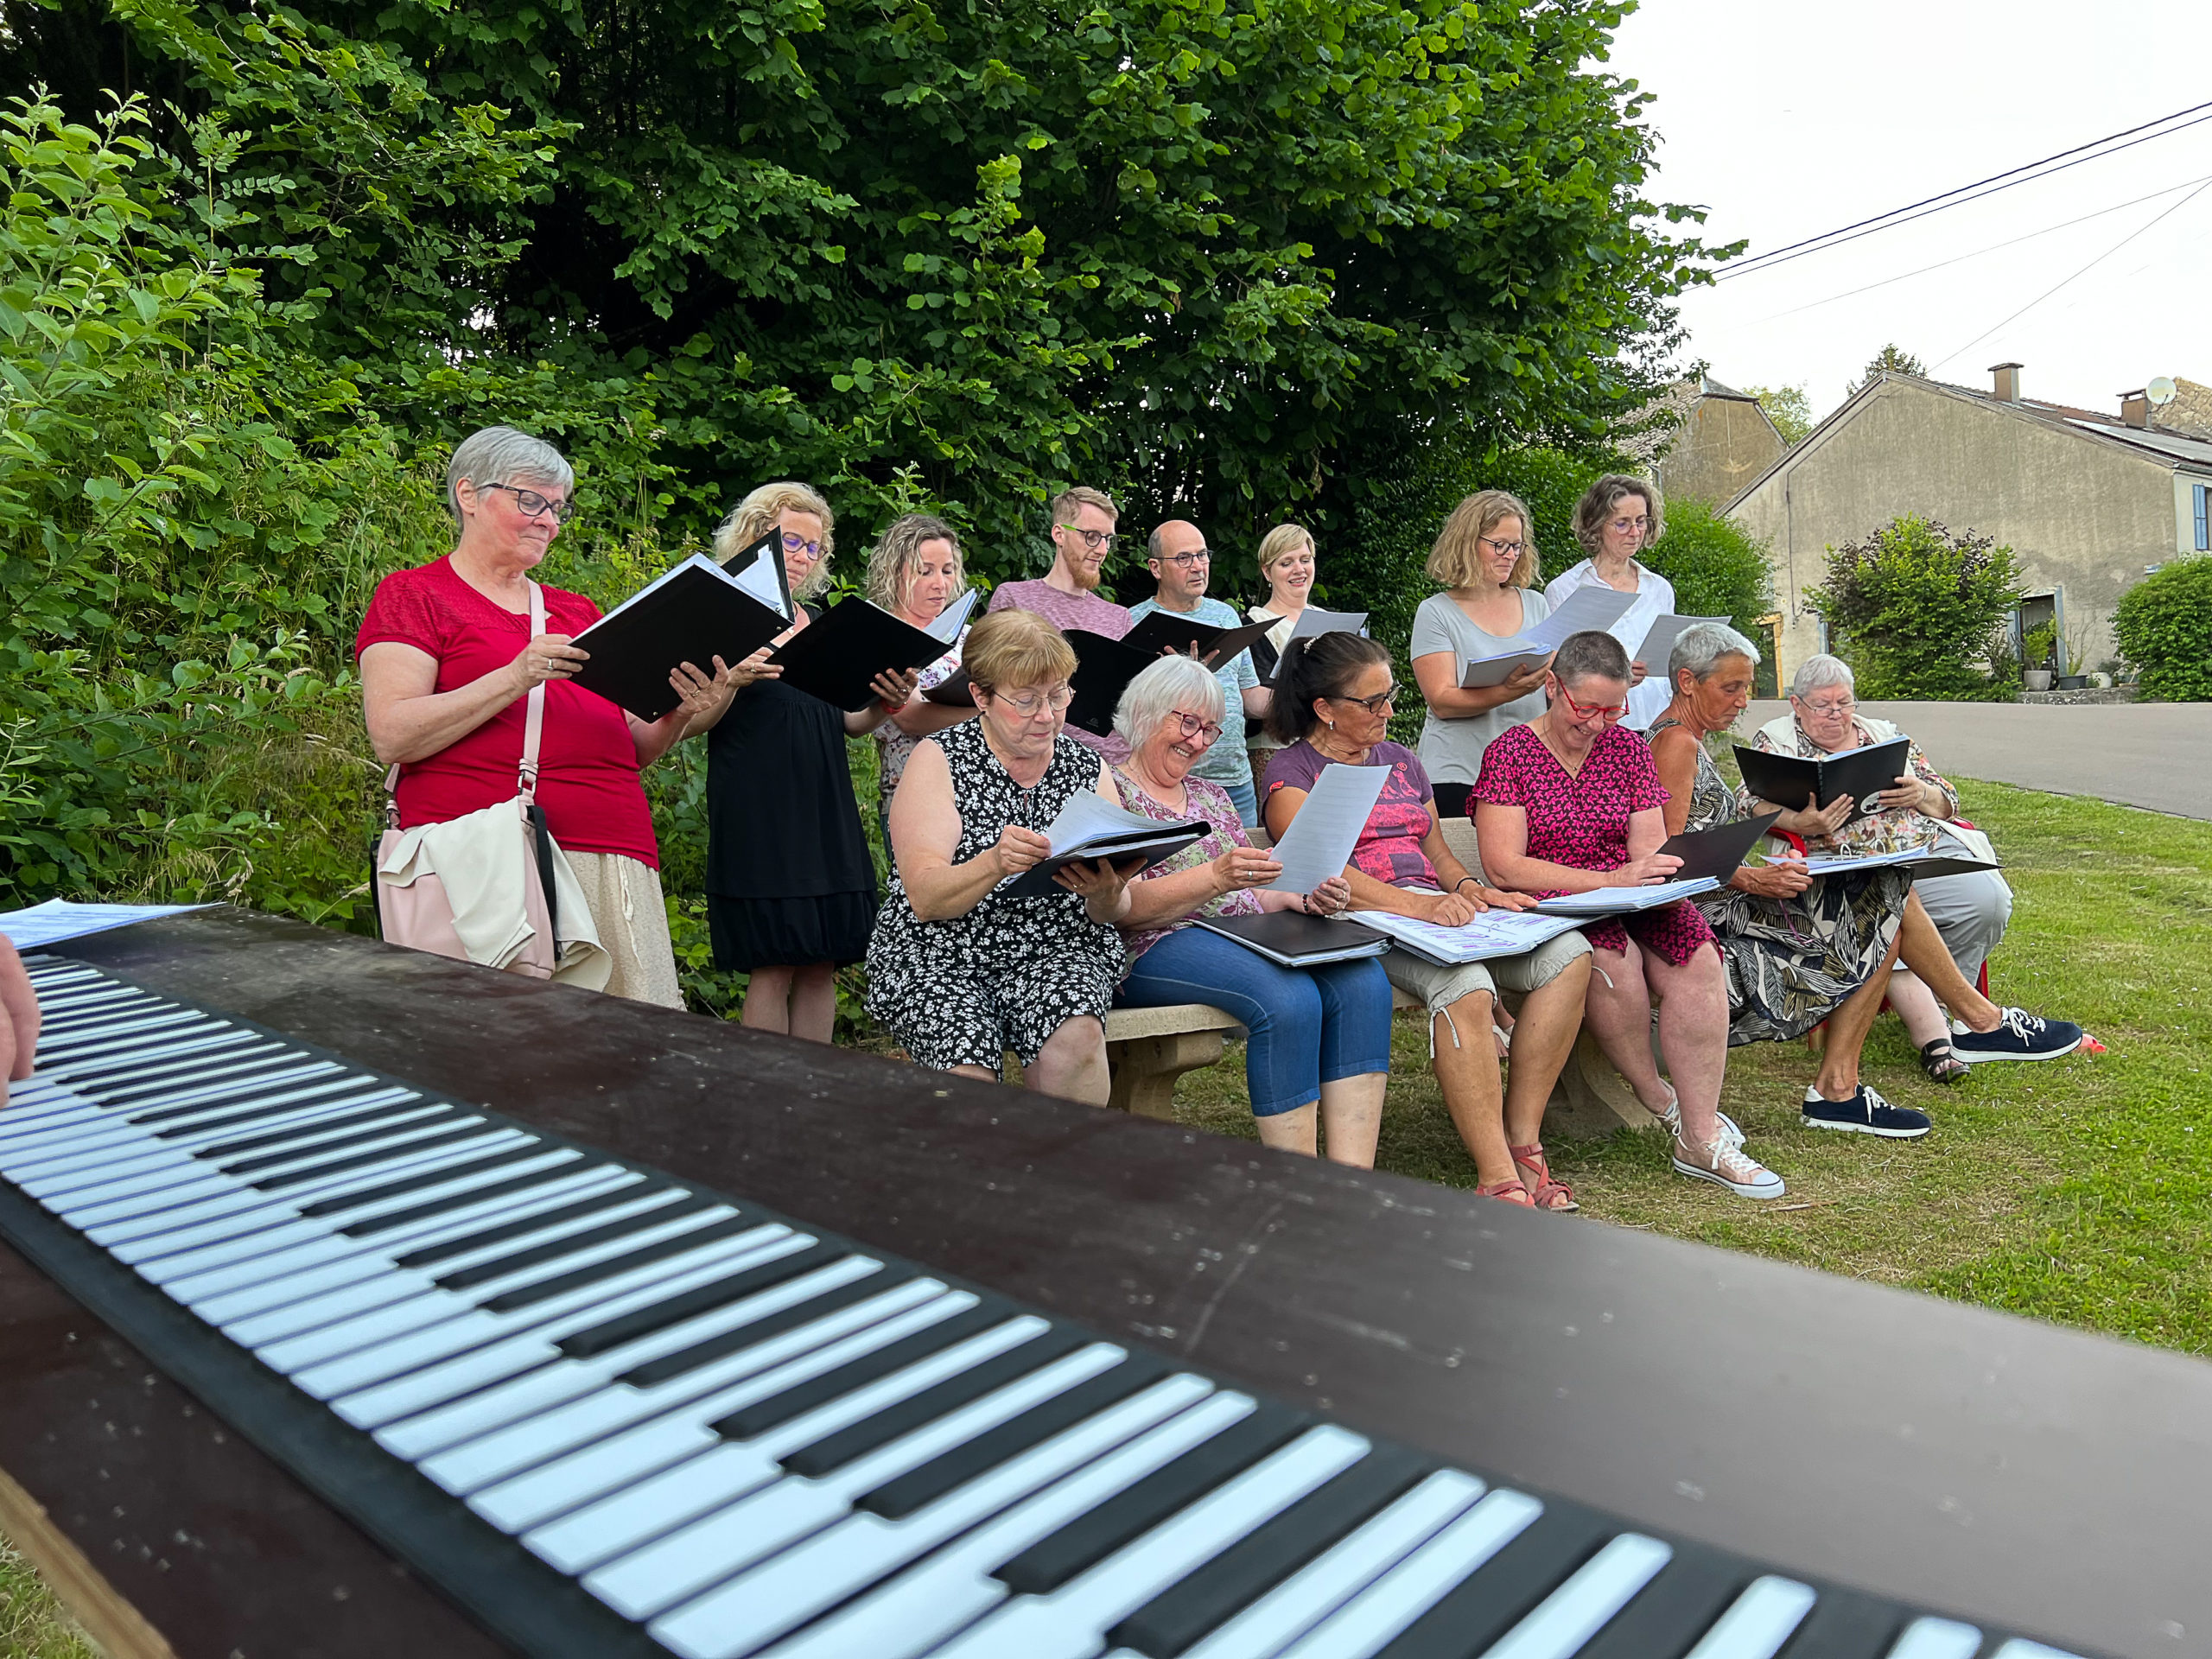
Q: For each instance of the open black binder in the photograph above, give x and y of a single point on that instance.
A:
(1217, 647)
(696, 612)
(1789, 780)
(1715, 852)
(835, 657)
(1104, 670)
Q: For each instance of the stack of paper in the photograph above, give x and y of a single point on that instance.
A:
(1091, 827)
(1617, 901)
(1320, 839)
(1586, 610)
(58, 919)
(1493, 933)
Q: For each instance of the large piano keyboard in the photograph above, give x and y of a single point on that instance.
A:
(680, 1422)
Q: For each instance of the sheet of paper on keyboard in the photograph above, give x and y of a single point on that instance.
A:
(58, 919)
(1614, 901)
(1493, 933)
(1320, 839)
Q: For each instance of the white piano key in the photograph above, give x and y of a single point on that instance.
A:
(1367, 1624)
(108, 1037)
(1332, 1578)
(91, 1117)
(490, 1436)
(642, 1583)
(1557, 1626)
(2021, 1648)
(209, 1059)
(1758, 1622)
(1071, 1622)
(623, 1432)
(1937, 1639)
(422, 1369)
(75, 1001)
(220, 1042)
(143, 1154)
(911, 1614)
(772, 1519)
(775, 1598)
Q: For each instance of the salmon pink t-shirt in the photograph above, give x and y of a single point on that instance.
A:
(586, 761)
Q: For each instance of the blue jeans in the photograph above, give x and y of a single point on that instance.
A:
(1309, 1025)
(1246, 801)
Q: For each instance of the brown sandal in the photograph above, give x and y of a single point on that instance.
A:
(1508, 1192)
(1544, 1191)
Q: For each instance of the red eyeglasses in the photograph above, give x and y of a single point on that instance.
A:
(1587, 710)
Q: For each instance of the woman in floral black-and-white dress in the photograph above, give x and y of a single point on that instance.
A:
(959, 971)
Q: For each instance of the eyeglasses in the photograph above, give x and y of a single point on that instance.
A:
(1195, 556)
(1194, 726)
(1374, 705)
(533, 504)
(1827, 710)
(1029, 705)
(795, 543)
(1093, 539)
(1626, 524)
(1513, 547)
(1589, 710)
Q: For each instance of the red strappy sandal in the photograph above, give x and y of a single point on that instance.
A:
(1507, 1192)
(1548, 1193)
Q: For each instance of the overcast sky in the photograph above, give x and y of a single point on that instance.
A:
(1786, 118)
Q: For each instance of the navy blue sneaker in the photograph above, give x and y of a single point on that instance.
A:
(1864, 1113)
(2020, 1036)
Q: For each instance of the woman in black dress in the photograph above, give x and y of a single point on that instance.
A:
(790, 892)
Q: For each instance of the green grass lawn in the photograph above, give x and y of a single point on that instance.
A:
(31, 1623)
(2073, 1191)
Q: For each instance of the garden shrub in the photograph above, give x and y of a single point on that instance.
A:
(1920, 612)
(2164, 629)
(1717, 567)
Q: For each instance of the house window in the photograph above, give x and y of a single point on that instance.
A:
(2203, 518)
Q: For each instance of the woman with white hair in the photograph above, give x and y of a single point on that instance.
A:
(1319, 1054)
(1969, 912)
(449, 659)
(790, 889)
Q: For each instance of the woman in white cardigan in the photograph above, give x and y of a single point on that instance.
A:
(1616, 518)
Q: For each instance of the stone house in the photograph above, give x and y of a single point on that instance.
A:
(2089, 502)
(1711, 442)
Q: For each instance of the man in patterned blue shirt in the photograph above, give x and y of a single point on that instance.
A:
(1181, 566)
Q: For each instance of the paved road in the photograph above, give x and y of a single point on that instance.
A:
(2153, 754)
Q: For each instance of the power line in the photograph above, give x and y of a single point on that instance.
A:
(2026, 174)
(1994, 247)
(2084, 271)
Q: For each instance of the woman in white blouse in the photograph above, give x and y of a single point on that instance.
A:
(1286, 560)
(1616, 518)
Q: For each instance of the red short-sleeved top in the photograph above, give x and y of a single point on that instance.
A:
(587, 762)
(1579, 820)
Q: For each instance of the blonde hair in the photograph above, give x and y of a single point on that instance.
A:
(1015, 647)
(755, 516)
(891, 562)
(1282, 541)
(1599, 502)
(1068, 503)
(1456, 560)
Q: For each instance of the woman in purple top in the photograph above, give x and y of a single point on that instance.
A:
(1319, 1055)
(1572, 803)
(1332, 705)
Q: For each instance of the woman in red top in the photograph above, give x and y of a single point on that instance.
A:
(448, 660)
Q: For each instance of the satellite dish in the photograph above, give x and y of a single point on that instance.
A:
(2160, 391)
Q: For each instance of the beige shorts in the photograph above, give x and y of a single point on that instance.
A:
(1439, 987)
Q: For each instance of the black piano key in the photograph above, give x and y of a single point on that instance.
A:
(295, 1097)
(429, 1254)
(360, 1126)
(1090, 1538)
(483, 1273)
(896, 1499)
(281, 1080)
(654, 1372)
(560, 1284)
(1499, 1594)
(1845, 1625)
(339, 1165)
(406, 1184)
(1672, 1612)
(705, 1299)
(1180, 1616)
(834, 1451)
(777, 1409)
(392, 1219)
(184, 1073)
(89, 1073)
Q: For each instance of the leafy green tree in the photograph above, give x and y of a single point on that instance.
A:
(1787, 407)
(1891, 359)
(1920, 613)
(1716, 566)
(2163, 627)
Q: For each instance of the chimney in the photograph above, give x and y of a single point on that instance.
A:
(2135, 408)
(2008, 382)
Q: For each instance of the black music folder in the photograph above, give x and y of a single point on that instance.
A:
(696, 612)
(1091, 827)
(1788, 780)
(1216, 647)
(953, 691)
(835, 657)
(1717, 852)
(1103, 669)
(1297, 940)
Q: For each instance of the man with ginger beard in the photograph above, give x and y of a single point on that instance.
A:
(1067, 595)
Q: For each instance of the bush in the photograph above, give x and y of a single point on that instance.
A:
(1920, 612)
(2163, 628)
(1717, 568)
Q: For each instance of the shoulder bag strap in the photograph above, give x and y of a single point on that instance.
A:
(534, 718)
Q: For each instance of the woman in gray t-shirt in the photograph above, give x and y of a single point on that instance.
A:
(1486, 560)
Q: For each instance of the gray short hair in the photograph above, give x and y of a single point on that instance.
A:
(1153, 695)
(1699, 648)
(1815, 672)
(1590, 654)
(499, 454)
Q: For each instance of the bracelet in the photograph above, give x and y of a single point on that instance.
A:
(1462, 881)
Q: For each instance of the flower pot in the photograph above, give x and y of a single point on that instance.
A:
(2073, 682)
(2035, 679)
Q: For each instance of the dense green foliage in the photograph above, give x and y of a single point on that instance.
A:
(1717, 567)
(1787, 407)
(1920, 613)
(2164, 629)
(1891, 359)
